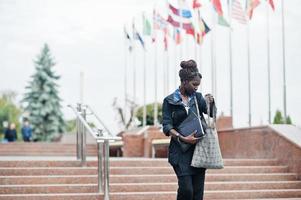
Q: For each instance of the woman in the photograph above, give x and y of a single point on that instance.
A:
(10, 134)
(176, 107)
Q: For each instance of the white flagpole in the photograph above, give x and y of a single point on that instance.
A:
(176, 60)
(213, 57)
(144, 79)
(144, 88)
(200, 54)
(134, 65)
(125, 74)
(230, 57)
(180, 29)
(167, 70)
(249, 72)
(268, 60)
(156, 81)
(283, 57)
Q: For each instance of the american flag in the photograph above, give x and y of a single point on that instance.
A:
(238, 13)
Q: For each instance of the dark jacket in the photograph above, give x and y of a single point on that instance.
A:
(10, 135)
(26, 132)
(173, 114)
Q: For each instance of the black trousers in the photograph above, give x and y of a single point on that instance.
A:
(191, 187)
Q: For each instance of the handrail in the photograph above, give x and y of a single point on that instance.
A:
(84, 122)
(103, 146)
(99, 120)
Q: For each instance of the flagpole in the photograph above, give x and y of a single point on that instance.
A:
(156, 81)
(249, 71)
(268, 60)
(144, 87)
(200, 54)
(125, 75)
(167, 61)
(213, 57)
(176, 60)
(283, 57)
(134, 64)
(230, 58)
(180, 29)
(144, 72)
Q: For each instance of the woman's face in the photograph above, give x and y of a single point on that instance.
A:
(192, 86)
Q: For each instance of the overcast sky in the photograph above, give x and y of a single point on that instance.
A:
(87, 35)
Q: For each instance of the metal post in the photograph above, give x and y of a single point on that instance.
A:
(249, 73)
(100, 160)
(283, 57)
(83, 140)
(78, 134)
(106, 170)
(230, 58)
(268, 60)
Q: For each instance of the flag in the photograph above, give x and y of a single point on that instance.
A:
(159, 22)
(146, 26)
(177, 35)
(238, 13)
(204, 27)
(128, 38)
(250, 6)
(222, 21)
(217, 6)
(271, 2)
(196, 4)
(180, 18)
(177, 24)
(165, 42)
(203, 30)
(184, 12)
(137, 36)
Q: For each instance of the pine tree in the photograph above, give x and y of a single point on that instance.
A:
(42, 100)
(278, 119)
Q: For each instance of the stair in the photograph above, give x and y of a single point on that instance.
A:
(143, 179)
(43, 149)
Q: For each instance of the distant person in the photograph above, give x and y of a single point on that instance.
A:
(10, 134)
(26, 131)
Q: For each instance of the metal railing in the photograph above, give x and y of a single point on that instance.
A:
(103, 145)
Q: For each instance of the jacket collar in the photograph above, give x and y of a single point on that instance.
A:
(175, 98)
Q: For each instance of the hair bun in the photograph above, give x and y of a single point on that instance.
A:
(189, 64)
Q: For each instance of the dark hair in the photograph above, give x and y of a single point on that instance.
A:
(189, 70)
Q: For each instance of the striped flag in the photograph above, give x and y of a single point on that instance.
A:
(251, 5)
(180, 18)
(271, 2)
(238, 13)
(159, 22)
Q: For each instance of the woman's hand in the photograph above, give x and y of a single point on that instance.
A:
(191, 139)
(209, 98)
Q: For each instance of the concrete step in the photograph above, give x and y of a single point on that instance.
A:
(147, 187)
(133, 163)
(233, 194)
(162, 178)
(54, 196)
(132, 170)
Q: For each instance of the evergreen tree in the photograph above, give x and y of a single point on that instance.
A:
(278, 119)
(288, 120)
(42, 100)
(149, 114)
